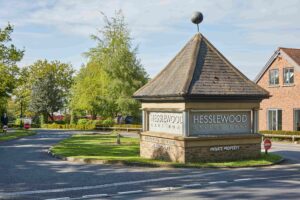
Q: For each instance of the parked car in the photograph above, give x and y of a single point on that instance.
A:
(129, 120)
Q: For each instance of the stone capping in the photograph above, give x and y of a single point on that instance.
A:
(201, 137)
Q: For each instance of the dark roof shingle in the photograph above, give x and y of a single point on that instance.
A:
(199, 70)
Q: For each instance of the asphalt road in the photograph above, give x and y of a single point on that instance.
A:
(28, 172)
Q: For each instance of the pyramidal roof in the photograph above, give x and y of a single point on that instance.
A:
(200, 71)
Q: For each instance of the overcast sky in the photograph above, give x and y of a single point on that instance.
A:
(246, 32)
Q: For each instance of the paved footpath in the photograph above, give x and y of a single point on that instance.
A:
(28, 172)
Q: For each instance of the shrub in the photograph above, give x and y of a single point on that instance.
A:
(69, 126)
(281, 132)
(89, 122)
(97, 122)
(42, 119)
(108, 122)
(60, 122)
(17, 122)
(128, 125)
(82, 121)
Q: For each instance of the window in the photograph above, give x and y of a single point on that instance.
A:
(275, 119)
(297, 120)
(273, 77)
(288, 76)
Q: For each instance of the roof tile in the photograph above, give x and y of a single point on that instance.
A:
(200, 70)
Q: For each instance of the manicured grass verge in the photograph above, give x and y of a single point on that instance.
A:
(103, 148)
(16, 134)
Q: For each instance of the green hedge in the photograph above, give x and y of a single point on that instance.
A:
(281, 132)
(89, 126)
(70, 126)
(128, 126)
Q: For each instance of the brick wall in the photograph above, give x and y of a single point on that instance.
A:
(197, 149)
(283, 97)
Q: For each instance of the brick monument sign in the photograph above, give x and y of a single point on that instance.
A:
(200, 108)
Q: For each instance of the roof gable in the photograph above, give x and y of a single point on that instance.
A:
(199, 70)
(291, 55)
(294, 54)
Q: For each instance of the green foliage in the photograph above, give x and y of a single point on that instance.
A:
(50, 84)
(73, 119)
(22, 93)
(97, 122)
(42, 120)
(8, 79)
(82, 121)
(109, 122)
(69, 126)
(281, 132)
(16, 134)
(127, 126)
(106, 84)
(93, 147)
(9, 54)
(90, 92)
(17, 122)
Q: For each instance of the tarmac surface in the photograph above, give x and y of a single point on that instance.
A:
(27, 171)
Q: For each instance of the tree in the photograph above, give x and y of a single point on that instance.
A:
(50, 84)
(9, 56)
(22, 93)
(90, 91)
(117, 58)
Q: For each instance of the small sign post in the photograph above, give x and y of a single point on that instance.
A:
(267, 145)
(26, 126)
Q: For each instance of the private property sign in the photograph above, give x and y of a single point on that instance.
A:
(220, 122)
(225, 148)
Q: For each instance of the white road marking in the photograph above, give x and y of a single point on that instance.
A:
(95, 195)
(164, 189)
(62, 198)
(217, 182)
(242, 179)
(131, 192)
(191, 185)
(110, 184)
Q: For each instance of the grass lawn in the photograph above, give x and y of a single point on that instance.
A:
(104, 147)
(15, 134)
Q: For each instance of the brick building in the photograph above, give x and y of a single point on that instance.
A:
(281, 77)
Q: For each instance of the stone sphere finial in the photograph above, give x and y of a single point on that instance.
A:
(197, 18)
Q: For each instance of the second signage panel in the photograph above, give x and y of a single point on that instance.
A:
(202, 122)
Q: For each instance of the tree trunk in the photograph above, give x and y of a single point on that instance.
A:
(51, 117)
(45, 115)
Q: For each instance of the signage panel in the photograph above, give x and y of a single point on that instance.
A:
(166, 122)
(219, 122)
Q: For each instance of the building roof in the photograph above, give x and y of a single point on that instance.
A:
(293, 54)
(200, 71)
(290, 54)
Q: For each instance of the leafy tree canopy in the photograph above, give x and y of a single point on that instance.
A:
(50, 84)
(116, 56)
(9, 54)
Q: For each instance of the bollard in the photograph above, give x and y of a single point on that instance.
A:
(118, 139)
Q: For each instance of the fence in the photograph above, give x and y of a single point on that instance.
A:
(125, 128)
(292, 137)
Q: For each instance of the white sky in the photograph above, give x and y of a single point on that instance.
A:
(246, 32)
